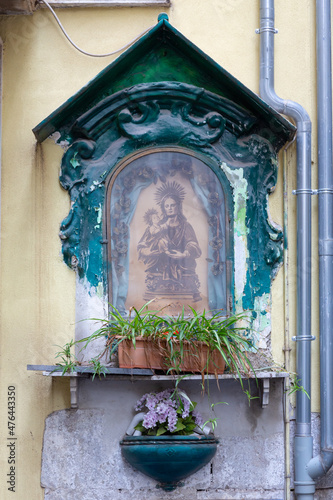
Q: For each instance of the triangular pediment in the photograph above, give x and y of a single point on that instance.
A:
(165, 55)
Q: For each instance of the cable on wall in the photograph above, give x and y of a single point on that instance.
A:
(83, 51)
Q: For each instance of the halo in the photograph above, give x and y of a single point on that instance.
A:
(173, 189)
(148, 214)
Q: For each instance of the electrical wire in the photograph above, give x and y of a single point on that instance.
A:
(83, 51)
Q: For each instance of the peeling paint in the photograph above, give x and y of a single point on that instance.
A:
(241, 255)
(91, 302)
(56, 137)
(260, 311)
(99, 213)
(74, 161)
(95, 184)
(262, 322)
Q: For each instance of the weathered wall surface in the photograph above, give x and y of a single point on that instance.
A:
(40, 71)
(248, 461)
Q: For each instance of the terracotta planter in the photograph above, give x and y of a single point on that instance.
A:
(154, 355)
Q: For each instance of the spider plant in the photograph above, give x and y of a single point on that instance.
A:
(178, 336)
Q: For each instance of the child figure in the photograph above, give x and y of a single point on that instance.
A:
(152, 242)
(152, 220)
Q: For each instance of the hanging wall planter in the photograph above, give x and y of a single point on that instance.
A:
(172, 443)
(168, 459)
(197, 357)
(203, 343)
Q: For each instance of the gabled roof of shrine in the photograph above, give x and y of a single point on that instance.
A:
(164, 55)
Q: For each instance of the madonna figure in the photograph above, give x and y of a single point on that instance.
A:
(169, 247)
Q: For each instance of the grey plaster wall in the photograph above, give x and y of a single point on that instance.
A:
(82, 459)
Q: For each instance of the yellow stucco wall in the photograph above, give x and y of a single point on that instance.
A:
(40, 71)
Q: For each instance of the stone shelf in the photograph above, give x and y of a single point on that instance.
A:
(79, 371)
(263, 377)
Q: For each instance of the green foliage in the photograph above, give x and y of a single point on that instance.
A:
(184, 427)
(212, 422)
(215, 331)
(178, 333)
(99, 369)
(67, 361)
(295, 385)
(177, 337)
(249, 396)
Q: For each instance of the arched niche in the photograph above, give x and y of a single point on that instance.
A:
(168, 233)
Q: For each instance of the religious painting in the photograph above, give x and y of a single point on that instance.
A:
(167, 234)
(169, 247)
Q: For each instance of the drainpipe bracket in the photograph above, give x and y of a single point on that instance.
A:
(305, 191)
(325, 191)
(266, 28)
(313, 191)
(299, 338)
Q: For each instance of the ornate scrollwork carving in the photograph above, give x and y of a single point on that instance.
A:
(159, 103)
(151, 122)
(74, 177)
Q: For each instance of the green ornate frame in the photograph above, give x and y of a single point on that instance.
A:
(165, 93)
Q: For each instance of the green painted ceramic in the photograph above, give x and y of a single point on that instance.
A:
(168, 459)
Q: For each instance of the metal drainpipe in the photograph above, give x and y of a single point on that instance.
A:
(286, 348)
(319, 465)
(304, 484)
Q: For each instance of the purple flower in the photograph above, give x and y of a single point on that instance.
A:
(165, 410)
(197, 418)
(162, 411)
(150, 420)
(151, 401)
(172, 420)
(139, 404)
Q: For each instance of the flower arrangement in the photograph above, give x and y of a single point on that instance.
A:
(179, 340)
(177, 336)
(170, 442)
(169, 412)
